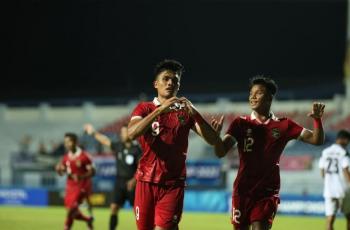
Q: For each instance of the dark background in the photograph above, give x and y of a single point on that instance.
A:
(108, 48)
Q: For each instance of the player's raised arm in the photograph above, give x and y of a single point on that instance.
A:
(103, 139)
(139, 125)
(315, 137)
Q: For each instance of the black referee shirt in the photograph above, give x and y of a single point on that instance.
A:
(126, 159)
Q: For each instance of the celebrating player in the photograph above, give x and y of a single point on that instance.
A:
(261, 138)
(127, 157)
(334, 165)
(162, 128)
(79, 169)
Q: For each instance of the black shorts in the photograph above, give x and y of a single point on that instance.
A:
(121, 194)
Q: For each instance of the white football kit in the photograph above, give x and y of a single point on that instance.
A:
(333, 162)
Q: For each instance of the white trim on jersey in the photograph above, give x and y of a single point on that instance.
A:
(135, 117)
(254, 117)
(156, 101)
(76, 154)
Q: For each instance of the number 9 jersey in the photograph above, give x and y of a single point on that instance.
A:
(333, 162)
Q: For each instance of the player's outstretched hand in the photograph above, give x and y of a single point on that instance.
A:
(217, 124)
(89, 128)
(165, 107)
(317, 110)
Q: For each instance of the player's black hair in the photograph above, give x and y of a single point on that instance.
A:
(270, 84)
(72, 136)
(343, 134)
(170, 65)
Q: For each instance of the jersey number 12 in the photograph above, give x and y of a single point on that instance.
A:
(248, 144)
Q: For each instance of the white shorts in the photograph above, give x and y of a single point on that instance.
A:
(332, 205)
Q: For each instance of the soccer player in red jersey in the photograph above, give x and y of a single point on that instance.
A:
(79, 168)
(162, 127)
(261, 138)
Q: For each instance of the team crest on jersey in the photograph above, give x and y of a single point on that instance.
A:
(78, 163)
(181, 119)
(276, 133)
(155, 128)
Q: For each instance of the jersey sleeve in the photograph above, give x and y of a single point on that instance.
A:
(88, 161)
(345, 162)
(140, 111)
(233, 129)
(322, 163)
(294, 130)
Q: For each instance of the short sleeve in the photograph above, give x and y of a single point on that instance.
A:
(139, 111)
(233, 129)
(87, 160)
(321, 163)
(345, 162)
(294, 130)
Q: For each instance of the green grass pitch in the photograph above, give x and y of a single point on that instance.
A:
(51, 218)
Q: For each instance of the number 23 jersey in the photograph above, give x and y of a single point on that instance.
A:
(333, 161)
(260, 146)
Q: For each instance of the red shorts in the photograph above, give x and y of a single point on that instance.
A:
(245, 210)
(157, 205)
(75, 196)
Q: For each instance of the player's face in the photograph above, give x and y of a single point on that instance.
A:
(167, 84)
(69, 144)
(124, 134)
(344, 142)
(259, 98)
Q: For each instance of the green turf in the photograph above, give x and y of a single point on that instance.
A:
(29, 218)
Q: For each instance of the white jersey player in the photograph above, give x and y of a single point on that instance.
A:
(334, 165)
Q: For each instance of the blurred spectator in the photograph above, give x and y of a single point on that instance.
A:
(57, 149)
(42, 150)
(24, 145)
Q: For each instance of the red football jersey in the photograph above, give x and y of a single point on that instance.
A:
(260, 146)
(164, 145)
(77, 163)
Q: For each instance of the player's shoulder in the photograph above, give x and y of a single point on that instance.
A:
(242, 118)
(63, 158)
(85, 154)
(283, 119)
(334, 149)
(145, 104)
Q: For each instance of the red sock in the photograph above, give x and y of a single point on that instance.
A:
(80, 216)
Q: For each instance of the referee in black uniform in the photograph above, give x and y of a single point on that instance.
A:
(127, 156)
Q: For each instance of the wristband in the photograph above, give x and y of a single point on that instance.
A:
(317, 123)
